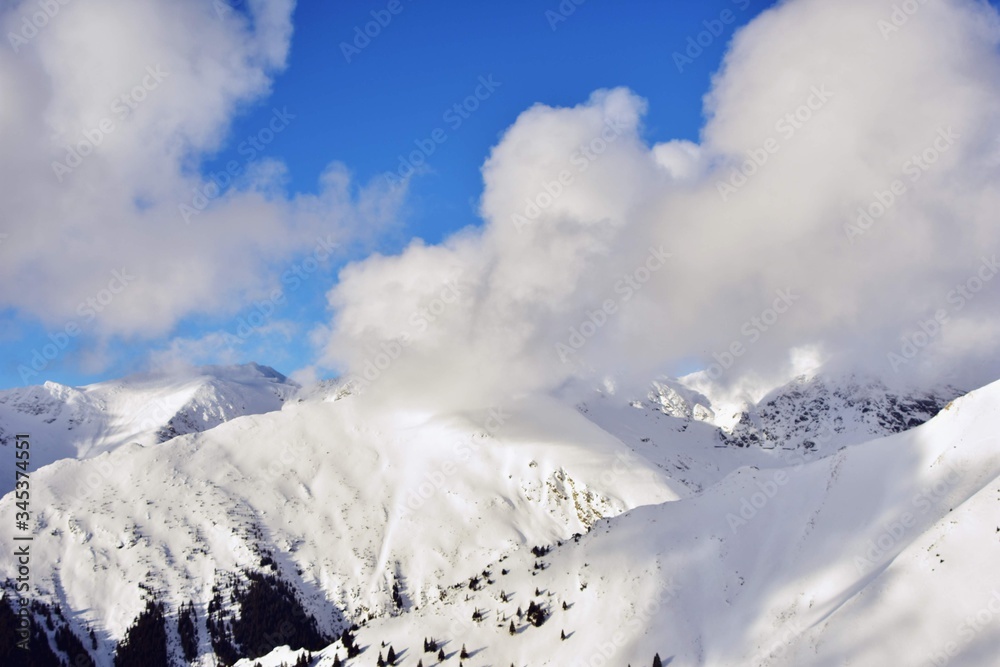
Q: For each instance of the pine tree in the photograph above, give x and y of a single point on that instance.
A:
(381, 661)
(391, 656)
(562, 635)
(145, 643)
(265, 601)
(397, 598)
(512, 630)
(186, 628)
(349, 643)
(464, 655)
(441, 656)
(536, 614)
(656, 661)
(336, 661)
(70, 644)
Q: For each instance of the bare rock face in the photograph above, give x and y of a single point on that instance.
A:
(819, 413)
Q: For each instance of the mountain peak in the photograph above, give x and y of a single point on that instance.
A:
(146, 408)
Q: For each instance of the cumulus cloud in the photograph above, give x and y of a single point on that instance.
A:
(782, 226)
(107, 110)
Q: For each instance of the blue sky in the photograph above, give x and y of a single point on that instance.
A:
(401, 88)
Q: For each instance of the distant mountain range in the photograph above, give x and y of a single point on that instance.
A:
(797, 529)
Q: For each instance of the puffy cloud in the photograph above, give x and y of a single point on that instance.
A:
(107, 110)
(819, 111)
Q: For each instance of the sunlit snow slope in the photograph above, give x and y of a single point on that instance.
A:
(348, 502)
(756, 552)
(882, 554)
(71, 422)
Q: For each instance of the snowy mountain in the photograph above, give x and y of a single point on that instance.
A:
(148, 409)
(406, 525)
(814, 413)
(861, 558)
(344, 503)
(693, 438)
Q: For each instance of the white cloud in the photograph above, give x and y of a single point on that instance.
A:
(838, 109)
(151, 86)
(683, 159)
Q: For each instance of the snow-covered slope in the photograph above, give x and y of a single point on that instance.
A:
(70, 422)
(347, 502)
(692, 439)
(408, 524)
(691, 451)
(883, 554)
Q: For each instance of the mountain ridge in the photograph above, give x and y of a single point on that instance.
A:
(147, 408)
(370, 516)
